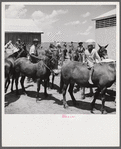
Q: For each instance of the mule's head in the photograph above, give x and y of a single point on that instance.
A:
(103, 51)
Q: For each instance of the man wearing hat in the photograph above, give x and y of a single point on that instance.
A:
(71, 49)
(81, 52)
(51, 47)
(64, 52)
(91, 56)
(34, 48)
(18, 43)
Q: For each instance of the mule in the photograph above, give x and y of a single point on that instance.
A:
(9, 65)
(104, 75)
(40, 71)
(102, 51)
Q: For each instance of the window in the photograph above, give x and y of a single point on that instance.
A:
(106, 22)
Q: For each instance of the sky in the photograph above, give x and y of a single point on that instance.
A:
(61, 22)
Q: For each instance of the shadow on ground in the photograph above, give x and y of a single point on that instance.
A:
(33, 94)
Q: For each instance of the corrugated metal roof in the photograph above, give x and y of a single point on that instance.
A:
(21, 25)
(109, 14)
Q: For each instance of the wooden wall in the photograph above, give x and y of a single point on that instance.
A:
(25, 37)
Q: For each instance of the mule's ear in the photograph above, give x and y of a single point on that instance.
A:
(99, 46)
(106, 46)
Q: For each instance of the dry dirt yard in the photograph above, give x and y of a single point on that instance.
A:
(26, 104)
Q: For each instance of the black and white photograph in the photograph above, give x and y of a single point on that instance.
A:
(61, 59)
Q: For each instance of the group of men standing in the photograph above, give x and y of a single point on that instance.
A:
(89, 55)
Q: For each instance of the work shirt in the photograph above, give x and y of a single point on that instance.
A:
(92, 57)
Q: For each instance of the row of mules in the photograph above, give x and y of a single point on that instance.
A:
(9, 65)
(40, 71)
(104, 75)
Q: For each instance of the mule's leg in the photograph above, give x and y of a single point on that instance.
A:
(7, 82)
(13, 77)
(53, 76)
(71, 93)
(16, 83)
(38, 88)
(83, 93)
(95, 97)
(22, 84)
(45, 87)
(91, 92)
(64, 95)
(103, 99)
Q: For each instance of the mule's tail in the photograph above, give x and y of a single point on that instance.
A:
(61, 83)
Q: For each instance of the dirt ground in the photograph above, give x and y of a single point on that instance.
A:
(26, 104)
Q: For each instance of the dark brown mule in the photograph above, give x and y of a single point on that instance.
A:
(104, 75)
(103, 52)
(9, 65)
(54, 56)
(40, 71)
(103, 55)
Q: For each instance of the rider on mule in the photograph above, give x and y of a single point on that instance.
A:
(34, 49)
(91, 57)
(18, 43)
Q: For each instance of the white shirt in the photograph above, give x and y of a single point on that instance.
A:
(93, 55)
(33, 50)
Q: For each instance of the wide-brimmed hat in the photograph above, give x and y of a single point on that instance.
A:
(35, 40)
(80, 43)
(18, 39)
(90, 43)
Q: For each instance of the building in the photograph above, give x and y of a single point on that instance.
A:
(25, 29)
(105, 32)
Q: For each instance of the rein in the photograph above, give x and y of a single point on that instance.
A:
(43, 62)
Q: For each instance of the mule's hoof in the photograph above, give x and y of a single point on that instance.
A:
(83, 97)
(92, 111)
(12, 91)
(103, 112)
(38, 99)
(60, 92)
(25, 93)
(66, 106)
